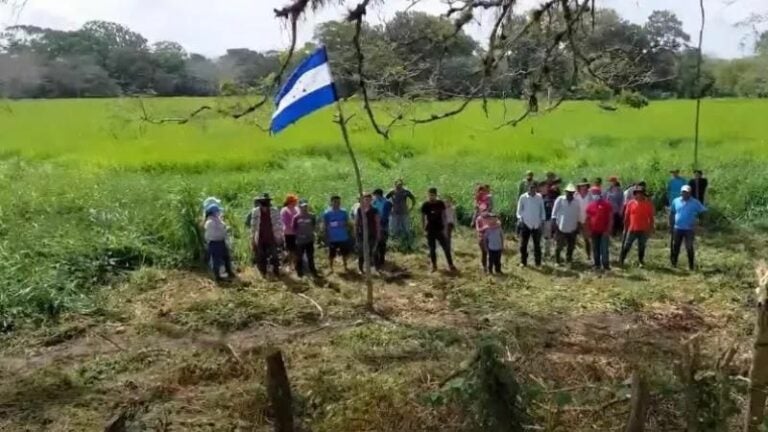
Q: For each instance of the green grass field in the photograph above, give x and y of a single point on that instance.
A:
(100, 286)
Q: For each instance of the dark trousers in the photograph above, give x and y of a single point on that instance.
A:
(618, 224)
(266, 253)
(433, 238)
(525, 236)
(642, 240)
(218, 254)
(494, 261)
(483, 254)
(381, 250)
(305, 251)
(601, 250)
(678, 237)
(567, 241)
(372, 244)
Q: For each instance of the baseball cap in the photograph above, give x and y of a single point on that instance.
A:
(570, 188)
(685, 188)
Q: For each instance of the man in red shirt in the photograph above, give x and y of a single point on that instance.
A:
(638, 223)
(600, 224)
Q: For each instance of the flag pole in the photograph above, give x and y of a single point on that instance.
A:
(363, 219)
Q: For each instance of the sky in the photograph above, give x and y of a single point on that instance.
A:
(210, 27)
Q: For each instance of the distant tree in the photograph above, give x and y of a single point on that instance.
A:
(761, 45)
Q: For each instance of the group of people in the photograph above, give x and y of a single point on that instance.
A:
(545, 214)
(594, 213)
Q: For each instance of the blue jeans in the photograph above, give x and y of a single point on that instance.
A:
(601, 250)
(218, 253)
(678, 238)
(642, 240)
(399, 225)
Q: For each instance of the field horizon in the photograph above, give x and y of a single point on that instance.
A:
(106, 311)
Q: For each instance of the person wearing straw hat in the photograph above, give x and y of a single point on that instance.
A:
(566, 215)
(582, 197)
(682, 218)
(266, 234)
(638, 223)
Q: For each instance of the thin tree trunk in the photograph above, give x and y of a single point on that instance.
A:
(639, 403)
(279, 392)
(758, 375)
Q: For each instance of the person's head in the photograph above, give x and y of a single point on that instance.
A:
(304, 206)
(640, 193)
(448, 200)
(291, 200)
(335, 202)
(698, 174)
(583, 187)
(432, 194)
(264, 201)
(685, 192)
(212, 210)
(532, 188)
(595, 192)
(642, 184)
(366, 200)
(598, 181)
(399, 184)
(614, 181)
(550, 176)
(378, 193)
(529, 175)
(674, 172)
(487, 188)
(543, 188)
(570, 191)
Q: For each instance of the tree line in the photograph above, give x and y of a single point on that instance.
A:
(414, 55)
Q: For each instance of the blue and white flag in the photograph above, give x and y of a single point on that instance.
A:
(309, 88)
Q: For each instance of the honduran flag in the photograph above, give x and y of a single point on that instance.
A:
(309, 88)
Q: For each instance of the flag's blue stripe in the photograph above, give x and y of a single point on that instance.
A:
(303, 106)
(317, 58)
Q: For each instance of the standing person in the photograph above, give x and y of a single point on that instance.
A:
(674, 185)
(384, 207)
(336, 228)
(433, 222)
(400, 217)
(615, 195)
(698, 185)
(369, 215)
(304, 225)
(266, 234)
(450, 219)
(483, 200)
(638, 225)
(216, 242)
(287, 213)
(525, 184)
(549, 193)
(600, 221)
(682, 217)
(494, 241)
(480, 228)
(582, 197)
(567, 215)
(531, 216)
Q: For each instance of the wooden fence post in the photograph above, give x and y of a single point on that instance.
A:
(639, 403)
(279, 392)
(758, 374)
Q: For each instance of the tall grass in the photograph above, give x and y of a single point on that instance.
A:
(88, 192)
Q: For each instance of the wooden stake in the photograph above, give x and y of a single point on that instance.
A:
(279, 392)
(639, 404)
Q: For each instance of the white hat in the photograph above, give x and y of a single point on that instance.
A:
(685, 188)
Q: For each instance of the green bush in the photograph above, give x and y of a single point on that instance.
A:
(632, 99)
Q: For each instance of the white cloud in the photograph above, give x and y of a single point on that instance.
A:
(210, 27)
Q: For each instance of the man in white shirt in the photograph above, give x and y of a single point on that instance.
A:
(582, 197)
(531, 217)
(567, 216)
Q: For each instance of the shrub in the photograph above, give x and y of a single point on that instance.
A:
(633, 99)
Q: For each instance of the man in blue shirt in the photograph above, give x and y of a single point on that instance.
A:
(384, 207)
(336, 226)
(682, 218)
(674, 186)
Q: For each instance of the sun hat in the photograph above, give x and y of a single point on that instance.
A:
(529, 172)
(639, 190)
(264, 198)
(303, 203)
(212, 209)
(570, 188)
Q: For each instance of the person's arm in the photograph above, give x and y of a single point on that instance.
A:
(671, 216)
(626, 217)
(377, 220)
(412, 198)
(520, 207)
(389, 194)
(610, 219)
(325, 227)
(542, 210)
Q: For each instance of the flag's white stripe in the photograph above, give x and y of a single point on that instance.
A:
(313, 79)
